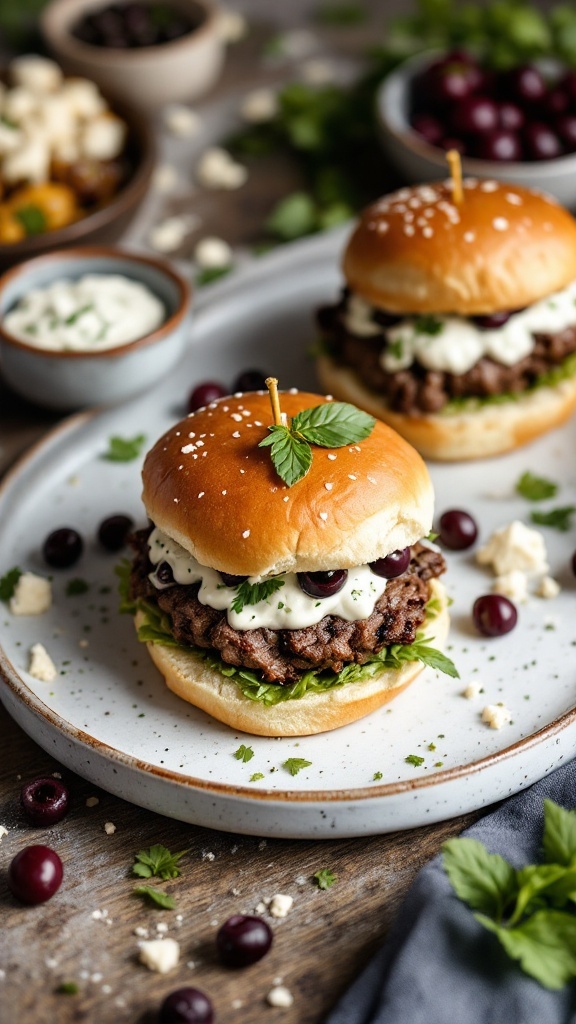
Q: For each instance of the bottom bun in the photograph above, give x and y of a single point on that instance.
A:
(193, 680)
(489, 430)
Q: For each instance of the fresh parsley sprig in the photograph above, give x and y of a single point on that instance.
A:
(295, 765)
(332, 425)
(244, 753)
(161, 899)
(124, 449)
(325, 878)
(157, 861)
(252, 593)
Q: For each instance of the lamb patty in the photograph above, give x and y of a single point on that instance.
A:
(417, 390)
(284, 655)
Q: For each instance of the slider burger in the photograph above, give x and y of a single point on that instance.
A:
(284, 586)
(457, 325)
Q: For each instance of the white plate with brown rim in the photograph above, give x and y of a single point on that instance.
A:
(108, 715)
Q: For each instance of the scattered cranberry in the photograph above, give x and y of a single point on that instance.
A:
(113, 531)
(204, 394)
(62, 548)
(511, 117)
(45, 801)
(392, 565)
(492, 321)
(322, 584)
(35, 874)
(230, 580)
(457, 530)
(574, 563)
(429, 127)
(475, 114)
(501, 145)
(243, 940)
(186, 1006)
(525, 84)
(494, 615)
(250, 380)
(541, 142)
(164, 573)
(566, 128)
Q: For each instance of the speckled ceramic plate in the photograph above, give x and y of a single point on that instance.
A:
(108, 715)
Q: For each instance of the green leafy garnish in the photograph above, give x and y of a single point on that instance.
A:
(557, 518)
(535, 488)
(414, 759)
(325, 878)
(158, 862)
(295, 765)
(377, 776)
(428, 324)
(67, 988)
(32, 219)
(75, 316)
(332, 425)
(209, 274)
(161, 899)
(257, 776)
(293, 217)
(244, 754)
(8, 583)
(124, 449)
(530, 909)
(252, 593)
(76, 586)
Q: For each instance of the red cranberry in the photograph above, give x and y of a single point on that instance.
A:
(574, 563)
(204, 394)
(250, 380)
(492, 321)
(501, 145)
(45, 801)
(457, 530)
(428, 127)
(494, 615)
(384, 319)
(566, 128)
(475, 115)
(511, 117)
(541, 142)
(525, 84)
(164, 573)
(556, 102)
(232, 581)
(113, 531)
(568, 84)
(322, 584)
(62, 548)
(35, 874)
(392, 565)
(186, 1006)
(453, 80)
(243, 940)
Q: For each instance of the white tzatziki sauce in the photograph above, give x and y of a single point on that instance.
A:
(454, 344)
(92, 313)
(287, 608)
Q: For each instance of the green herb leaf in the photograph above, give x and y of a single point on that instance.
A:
(244, 754)
(544, 944)
(296, 215)
(252, 593)
(67, 988)
(559, 840)
(209, 274)
(257, 776)
(8, 583)
(74, 317)
(325, 878)
(377, 776)
(123, 571)
(557, 518)
(333, 425)
(291, 456)
(414, 759)
(421, 651)
(124, 449)
(161, 899)
(157, 861)
(76, 586)
(32, 219)
(535, 488)
(485, 881)
(295, 764)
(428, 324)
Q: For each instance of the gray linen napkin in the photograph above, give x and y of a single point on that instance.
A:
(438, 965)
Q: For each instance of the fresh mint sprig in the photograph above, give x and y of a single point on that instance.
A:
(124, 449)
(157, 861)
(252, 593)
(535, 488)
(557, 518)
(161, 899)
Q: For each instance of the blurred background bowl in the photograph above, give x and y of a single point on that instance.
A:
(418, 161)
(149, 76)
(73, 380)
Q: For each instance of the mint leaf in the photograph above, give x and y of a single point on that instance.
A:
(414, 759)
(428, 324)
(8, 583)
(557, 518)
(421, 651)
(325, 878)
(295, 764)
(252, 593)
(292, 457)
(544, 945)
(535, 488)
(559, 840)
(156, 896)
(333, 425)
(485, 881)
(244, 754)
(67, 988)
(32, 219)
(157, 861)
(76, 586)
(257, 776)
(124, 449)
(536, 881)
(296, 214)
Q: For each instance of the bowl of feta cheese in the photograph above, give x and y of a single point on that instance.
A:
(90, 326)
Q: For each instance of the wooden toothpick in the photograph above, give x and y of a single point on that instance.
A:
(272, 385)
(455, 165)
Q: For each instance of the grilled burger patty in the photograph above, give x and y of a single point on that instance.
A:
(417, 390)
(284, 655)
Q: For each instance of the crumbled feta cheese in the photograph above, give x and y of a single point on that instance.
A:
(32, 595)
(231, 25)
(182, 121)
(41, 665)
(165, 178)
(259, 105)
(83, 97)
(280, 905)
(317, 72)
(171, 232)
(217, 169)
(3, 832)
(208, 855)
(141, 932)
(19, 104)
(298, 43)
(513, 585)
(103, 137)
(109, 828)
(280, 996)
(213, 252)
(10, 138)
(30, 163)
(514, 547)
(471, 691)
(260, 908)
(548, 587)
(161, 955)
(39, 74)
(496, 715)
(92, 801)
(161, 927)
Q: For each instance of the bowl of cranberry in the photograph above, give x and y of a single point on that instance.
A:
(517, 124)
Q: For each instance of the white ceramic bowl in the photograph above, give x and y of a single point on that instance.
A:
(75, 380)
(417, 161)
(147, 77)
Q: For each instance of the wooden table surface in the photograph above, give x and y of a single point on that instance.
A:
(328, 935)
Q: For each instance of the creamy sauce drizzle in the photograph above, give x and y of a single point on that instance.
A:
(460, 344)
(287, 608)
(93, 313)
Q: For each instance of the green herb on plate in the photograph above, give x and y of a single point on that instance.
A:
(243, 754)
(8, 583)
(76, 586)
(414, 759)
(325, 878)
(257, 776)
(535, 488)
(295, 765)
(557, 518)
(124, 449)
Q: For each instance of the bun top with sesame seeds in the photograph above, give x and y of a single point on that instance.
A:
(502, 247)
(210, 487)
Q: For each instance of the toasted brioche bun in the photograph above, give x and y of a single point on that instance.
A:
(190, 678)
(503, 247)
(478, 434)
(210, 487)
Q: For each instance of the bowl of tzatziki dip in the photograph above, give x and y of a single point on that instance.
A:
(90, 326)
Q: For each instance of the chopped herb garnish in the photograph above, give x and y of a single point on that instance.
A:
(325, 878)
(67, 988)
(432, 536)
(161, 899)
(209, 274)
(257, 776)
(75, 316)
(557, 518)
(295, 764)
(8, 583)
(244, 754)
(124, 449)
(396, 348)
(76, 586)
(377, 776)
(252, 593)
(157, 861)
(535, 488)
(428, 324)
(431, 746)
(414, 759)
(32, 219)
